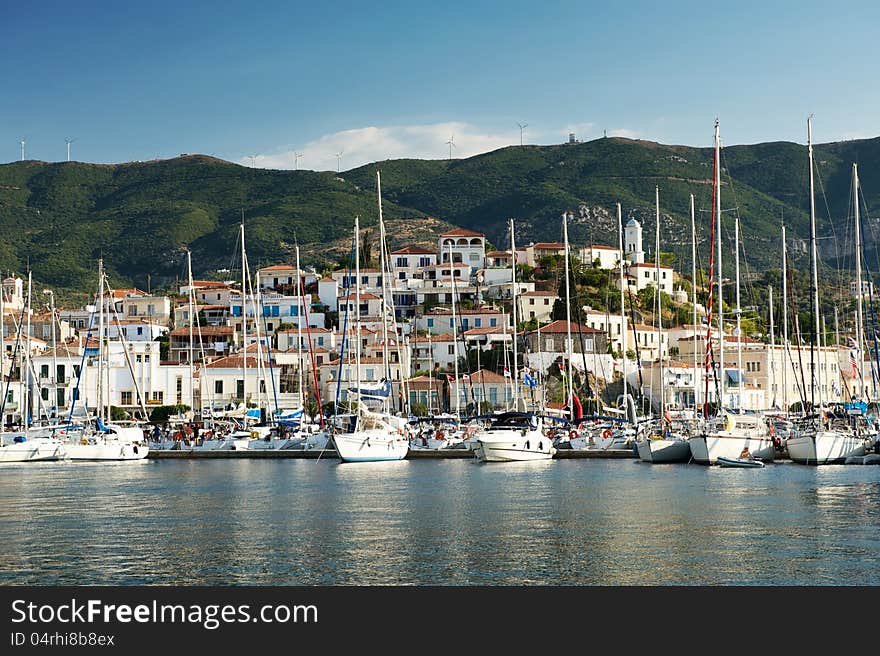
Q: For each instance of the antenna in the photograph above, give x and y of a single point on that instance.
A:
(69, 141)
(451, 144)
(522, 126)
(339, 160)
(296, 157)
(22, 142)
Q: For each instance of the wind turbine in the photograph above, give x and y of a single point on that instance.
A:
(339, 160)
(296, 157)
(22, 142)
(451, 144)
(254, 160)
(522, 126)
(68, 142)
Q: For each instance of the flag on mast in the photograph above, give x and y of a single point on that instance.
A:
(854, 357)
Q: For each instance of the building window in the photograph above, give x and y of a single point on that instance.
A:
(125, 397)
(179, 389)
(218, 387)
(132, 310)
(451, 349)
(44, 371)
(159, 396)
(493, 323)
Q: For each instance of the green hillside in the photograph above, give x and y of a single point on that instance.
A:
(58, 218)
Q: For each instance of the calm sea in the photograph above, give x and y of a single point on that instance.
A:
(458, 522)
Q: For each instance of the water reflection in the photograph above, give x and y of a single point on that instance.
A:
(458, 522)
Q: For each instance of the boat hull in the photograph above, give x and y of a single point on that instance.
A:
(117, 451)
(739, 462)
(36, 450)
(663, 451)
(705, 449)
(825, 448)
(370, 446)
(513, 446)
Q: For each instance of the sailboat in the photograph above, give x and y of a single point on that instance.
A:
(369, 435)
(514, 436)
(829, 438)
(726, 434)
(104, 441)
(659, 444)
(25, 445)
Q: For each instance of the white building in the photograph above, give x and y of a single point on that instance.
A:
(605, 257)
(155, 309)
(466, 246)
(439, 320)
(407, 263)
(537, 305)
(644, 275)
(632, 242)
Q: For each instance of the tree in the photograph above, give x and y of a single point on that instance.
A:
(419, 409)
(118, 414)
(162, 413)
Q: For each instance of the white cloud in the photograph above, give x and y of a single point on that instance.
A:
(361, 146)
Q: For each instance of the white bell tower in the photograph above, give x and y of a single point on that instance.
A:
(633, 242)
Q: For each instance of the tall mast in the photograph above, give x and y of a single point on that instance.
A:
(814, 273)
(739, 350)
(622, 306)
(357, 315)
(659, 301)
(694, 296)
(54, 355)
(299, 320)
(192, 377)
(860, 294)
(784, 322)
(27, 369)
(568, 345)
(385, 304)
(515, 376)
(837, 341)
(772, 347)
(454, 337)
(244, 322)
(719, 240)
(100, 339)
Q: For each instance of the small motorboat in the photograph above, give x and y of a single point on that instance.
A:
(738, 462)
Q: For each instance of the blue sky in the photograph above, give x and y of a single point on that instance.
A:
(135, 81)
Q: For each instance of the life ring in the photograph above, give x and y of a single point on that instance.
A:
(255, 434)
(572, 435)
(606, 434)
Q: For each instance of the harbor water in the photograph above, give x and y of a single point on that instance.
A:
(437, 522)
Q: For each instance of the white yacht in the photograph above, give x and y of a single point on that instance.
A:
(514, 436)
(19, 447)
(728, 434)
(830, 439)
(371, 437)
(664, 444)
(108, 442)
